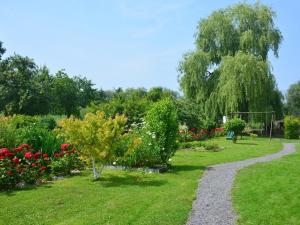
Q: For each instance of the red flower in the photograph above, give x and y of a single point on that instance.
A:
(33, 165)
(37, 155)
(28, 155)
(45, 156)
(64, 147)
(43, 167)
(9, 155)
(2, 157)
(18, 149)
(22, 146)
(56, 155)
(4, 151)
(9, 173)
(16, 160)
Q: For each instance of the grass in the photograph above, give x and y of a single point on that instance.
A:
(124, 197)
(268, 193)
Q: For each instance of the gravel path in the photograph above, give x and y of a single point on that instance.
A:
(213, 204)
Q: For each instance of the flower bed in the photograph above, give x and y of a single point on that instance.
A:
(25, 165)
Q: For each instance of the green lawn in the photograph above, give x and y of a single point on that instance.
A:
(124, 197)
(269, 193)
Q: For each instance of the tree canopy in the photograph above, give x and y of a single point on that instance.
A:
(26, 88)
(293, 99)
(229, 69)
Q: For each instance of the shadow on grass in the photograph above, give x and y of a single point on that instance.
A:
(184, 168)
(129, 180)
(12, 192)
(243, 143)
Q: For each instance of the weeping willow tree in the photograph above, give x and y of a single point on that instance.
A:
(229, 69)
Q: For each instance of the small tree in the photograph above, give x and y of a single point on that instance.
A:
(291, 127)
(95, 136)
(235, 125)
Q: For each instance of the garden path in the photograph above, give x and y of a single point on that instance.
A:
(213, 205)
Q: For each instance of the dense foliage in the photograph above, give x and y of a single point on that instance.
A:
(162, 121)
(235, 125)
(229, 69)
(28, 89)
(291, 127)
(293, 99)
(95, 136)
(25, 165)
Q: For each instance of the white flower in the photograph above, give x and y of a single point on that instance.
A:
(170, 160)
(149, 144)
(114, 163)
(150, 172)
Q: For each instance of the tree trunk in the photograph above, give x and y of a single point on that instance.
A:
(95, 172)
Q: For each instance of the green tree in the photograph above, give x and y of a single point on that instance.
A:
(189, 113)
(16, 85)
(293, 99)
(95, 136)
(65, 93)
(86, 91)
(228, 70)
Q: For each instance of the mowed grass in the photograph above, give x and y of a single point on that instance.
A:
(269, 193)
(125, 197)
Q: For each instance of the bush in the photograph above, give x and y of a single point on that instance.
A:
(22, 164)
(291, 127)
(65, 161)
(184, 134)
(206, 146)
(39, 138)
(96, 136)
(7, 133)
(20, 121)
(236, 125)
(47, 122)
(147, 152)
(162, 126)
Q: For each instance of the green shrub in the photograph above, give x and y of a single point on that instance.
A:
(236, 125)
(206, 146)
(7, 133)
(39, 138)
(154, 140)
(47, 122)
(191, 144)
(162, 124)
(20, 121)
(291, 127)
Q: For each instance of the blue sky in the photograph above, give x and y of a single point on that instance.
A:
(128, 43)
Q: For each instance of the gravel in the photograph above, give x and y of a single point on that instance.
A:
(213, 205)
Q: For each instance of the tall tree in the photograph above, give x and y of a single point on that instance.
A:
(228, 70)
(16, 87)
(293, 99)
(65, 94)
